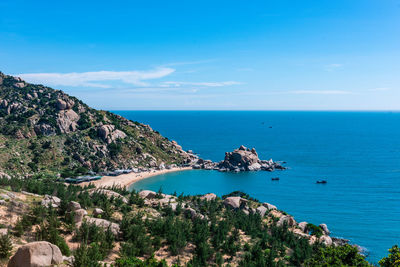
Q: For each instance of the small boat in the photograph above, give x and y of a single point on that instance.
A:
(275, 179)
(322, 182)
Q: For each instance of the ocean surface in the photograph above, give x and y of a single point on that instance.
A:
(358, 153)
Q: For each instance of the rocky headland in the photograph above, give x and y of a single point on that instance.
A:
(75, 226)
(239, 160)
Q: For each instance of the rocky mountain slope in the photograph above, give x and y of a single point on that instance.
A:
(46, 130)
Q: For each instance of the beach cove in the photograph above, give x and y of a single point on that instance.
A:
(356, 152)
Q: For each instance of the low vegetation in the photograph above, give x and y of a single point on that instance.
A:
(158, 235)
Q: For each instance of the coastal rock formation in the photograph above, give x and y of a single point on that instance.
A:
(36, 254)
(324, 228)
(241, 159)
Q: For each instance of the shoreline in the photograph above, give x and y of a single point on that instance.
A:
(126, 180)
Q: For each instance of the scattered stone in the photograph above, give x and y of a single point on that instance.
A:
(97, 212)
(74, 206)
(3, 231)
(147, 194)
(303, 227)
(209, 197)
(326, 240)
(79, 215)
(20, 85)
(324, 228)
(5, 175)
(234, 202)
(108, 193)
(69, 260)
(104, 224)
(269, 206)
(286, 219)
(51, 201)
(109, 134)
(262, 210)
(36, 254)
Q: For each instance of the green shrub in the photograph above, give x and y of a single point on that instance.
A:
(5, 246)
(393, 259)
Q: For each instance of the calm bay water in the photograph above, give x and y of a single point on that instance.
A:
(358, 153)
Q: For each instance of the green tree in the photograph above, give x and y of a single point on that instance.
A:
(5, 246)
(393, 259)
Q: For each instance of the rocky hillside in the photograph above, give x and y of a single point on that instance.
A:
(74, 226)
(46, 130)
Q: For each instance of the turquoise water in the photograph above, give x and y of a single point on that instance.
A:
(358, 153)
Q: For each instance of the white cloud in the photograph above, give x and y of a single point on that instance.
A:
(379, 89)
(332, 67)
(205, 84)
(321, 92)
(95, 78)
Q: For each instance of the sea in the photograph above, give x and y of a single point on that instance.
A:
(357, 153)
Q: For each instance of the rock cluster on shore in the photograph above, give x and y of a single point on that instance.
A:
(241, 159)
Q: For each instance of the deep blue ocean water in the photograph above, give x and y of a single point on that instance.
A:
(358, 153)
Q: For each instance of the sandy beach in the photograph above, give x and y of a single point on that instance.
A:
(130, 178)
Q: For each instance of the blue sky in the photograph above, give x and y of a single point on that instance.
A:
(234, 55)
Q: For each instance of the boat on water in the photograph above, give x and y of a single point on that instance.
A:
(81, 179)
(322, 182)
(275, 179)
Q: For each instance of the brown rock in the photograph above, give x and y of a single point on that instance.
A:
(36, 254)
(67, 121)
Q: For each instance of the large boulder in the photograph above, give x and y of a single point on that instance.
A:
(233, 202)
(262, 210)
(324, 228)
(67, 121)
(147, 194)
(303, 227)
(114, 227)
(241, 157)
(64, 104)
(108, 193)
(209, 197)
(109, 134)
(44, 129)
(3, 231)
(326, 240)
(73, 206)
(79, 215)
(269, 206)
(286, 219)
(97, 212)
(36, 254)
(51, 201)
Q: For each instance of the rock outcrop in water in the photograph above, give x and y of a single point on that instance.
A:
(241, 159)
